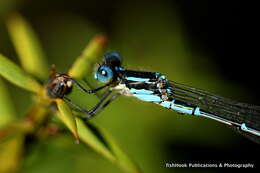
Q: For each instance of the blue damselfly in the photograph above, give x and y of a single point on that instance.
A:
(156, 88)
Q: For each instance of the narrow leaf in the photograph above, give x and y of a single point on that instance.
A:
(7, 111)
(11, 154)
(66, 116)
(123, 160)
(84, 63)
(17, 76)
(27, 46)
(89, 137)
(103, 143)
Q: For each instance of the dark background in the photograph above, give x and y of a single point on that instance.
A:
(225, 30)
(223, 58)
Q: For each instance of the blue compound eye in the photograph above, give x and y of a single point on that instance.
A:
(104, 74)
(112, 54)
(113, 59)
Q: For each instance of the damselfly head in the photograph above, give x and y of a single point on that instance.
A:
(112, 59)
(106, 71)
(104, 74)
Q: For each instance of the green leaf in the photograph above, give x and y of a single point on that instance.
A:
(27, 46)
(123, 160)
(103, 143)
(11, 154)
(84, 63)
(17, 76)
(89, 137)
(66, 116)
(7, 111)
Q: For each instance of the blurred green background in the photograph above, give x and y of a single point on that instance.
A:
(202, 44)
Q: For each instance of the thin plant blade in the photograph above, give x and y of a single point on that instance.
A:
(100, 141)
(17, 76)
(123, 160)
(89, 137)
(10, 149)
(84, 63)
(66, 116)
(7, 111)
(27, 46)
(11, 154)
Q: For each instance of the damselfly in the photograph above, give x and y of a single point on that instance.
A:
(156, 88)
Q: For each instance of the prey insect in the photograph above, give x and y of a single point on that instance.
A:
(60, 85)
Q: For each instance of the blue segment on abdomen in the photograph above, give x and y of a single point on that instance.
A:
(182, 109)
(197, 111)
(141, 91)
(176, 107)
(137, 79)
(148, 98)
(166, 104)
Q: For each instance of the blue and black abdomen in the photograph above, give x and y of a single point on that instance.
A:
(240, 116)
(154, 87)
